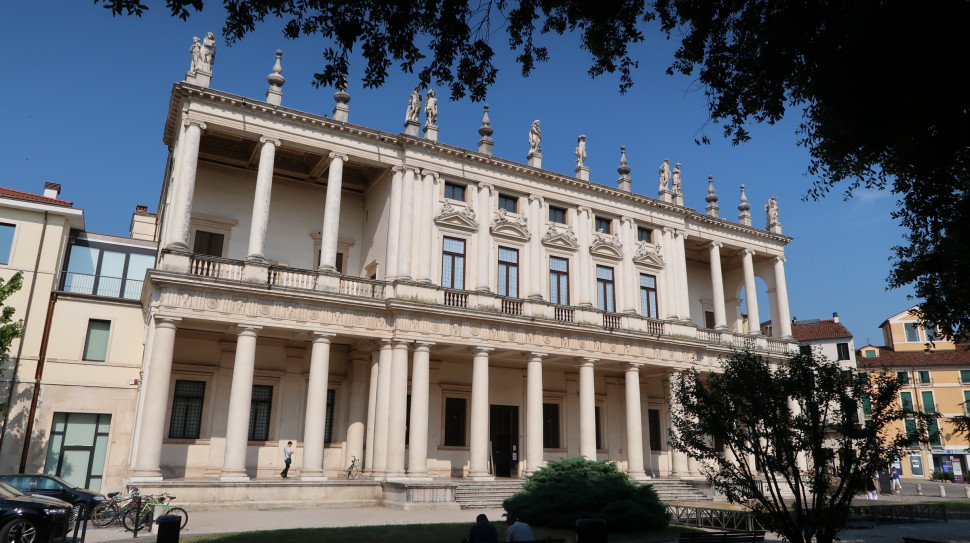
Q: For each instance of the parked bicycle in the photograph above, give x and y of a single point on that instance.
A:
(145, 516)
(113, 509)
(353, 471)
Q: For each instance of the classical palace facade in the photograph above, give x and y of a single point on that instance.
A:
(432, 311)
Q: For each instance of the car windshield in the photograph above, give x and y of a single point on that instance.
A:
(7, 491)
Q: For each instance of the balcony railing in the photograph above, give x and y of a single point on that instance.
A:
(281, 276)
(710, 336)
(511, 306)
(215, 267)
(100, 285)
(564, 314)
(611, 321)
(358, 286)
(456, 298)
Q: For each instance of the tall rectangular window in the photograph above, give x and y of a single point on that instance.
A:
(648, 296)
(558, 280)
(933, 429)
(259, 411)
(653, 420)
(508, 272)
(550, 426)
(929, 406)
(603, 225)
(557, 215)
(6, 242)
(96, 341)
(911, 433)
(912, 331)
(453, 263)
(644, 234)
(906, 400)
(843, 350)
(455, 192)
(902, 377)
(924, 377)
(455, 421)
(208, 243)
(965, 376)
(328, 427)
(508, 203)
(187, 409)
(605, 295)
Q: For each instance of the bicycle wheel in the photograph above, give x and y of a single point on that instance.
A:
(104, 514)
(141, 519)
(182, 513)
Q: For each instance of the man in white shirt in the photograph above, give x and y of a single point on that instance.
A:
(287, 457)
(517, 530)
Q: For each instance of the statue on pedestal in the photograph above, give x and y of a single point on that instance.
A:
(581, 151)
(664, 174)
(675, 179)
(771, 210)
(414, 107)
(196, 51)
(535, 138)
(430, 108)
(208, 52)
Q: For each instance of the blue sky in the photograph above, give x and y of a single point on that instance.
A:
(86, 96)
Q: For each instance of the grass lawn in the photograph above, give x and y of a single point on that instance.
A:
(411, 533)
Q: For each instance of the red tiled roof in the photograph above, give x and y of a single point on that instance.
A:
(827, 329)
(914, 359)
(18, 195)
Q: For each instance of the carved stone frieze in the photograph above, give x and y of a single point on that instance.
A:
(561, 236)
(606, 245)
(505, 225)
(460, 218)
(649, 254)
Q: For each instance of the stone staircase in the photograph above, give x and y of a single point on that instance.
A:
(487, 494)
(675, 490)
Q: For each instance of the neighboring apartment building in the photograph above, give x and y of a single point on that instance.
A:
(434, 311)
(936, 379)
(828, 337)
(72, 380)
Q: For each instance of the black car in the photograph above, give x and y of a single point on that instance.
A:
(31, 519)
(54, 487)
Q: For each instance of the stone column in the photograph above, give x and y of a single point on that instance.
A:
(316, 409)
(717, 284)
(426, 226)
(478, 446)
(152, 424)
(418, 436)
(533, 413)
(394, 224)
(784, 317)
(634, 426)
(587, 410)
(404, 227)
(240, 401)
(750, 292)
(683, 292)
(671, 299)
(484, 240)
(584, 265)
(536, 230)
(628, 284)
(382, 409)
(371, 411)
(264, 188)
(397, 414)
(356, 428)
(185, 191)
(678, 458)
(331, 214)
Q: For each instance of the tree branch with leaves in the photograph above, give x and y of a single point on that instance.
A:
(9, 329)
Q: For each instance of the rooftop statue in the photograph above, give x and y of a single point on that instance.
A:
(580, 151)
(414, 107)
(208, 52)
(675, 179)
(665, 174)
(535, 138)
(431, 108)
(196, 51)
(771, 209)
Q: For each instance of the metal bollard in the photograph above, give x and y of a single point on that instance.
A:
(919, 490)
(942, 491)
(169, 527)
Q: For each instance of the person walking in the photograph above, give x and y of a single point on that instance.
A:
(483, 531)
(517, 530)
(287, 458)
(872, 488)
(897, 487)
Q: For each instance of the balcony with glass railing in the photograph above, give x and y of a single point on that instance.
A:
(99, 285)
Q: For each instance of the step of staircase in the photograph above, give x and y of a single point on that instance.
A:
(485, 495)
(675, 490)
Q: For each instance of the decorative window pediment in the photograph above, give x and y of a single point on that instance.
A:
(606, 245)
(457, 218)
(561, 236)
(504, 225)
(649, 254)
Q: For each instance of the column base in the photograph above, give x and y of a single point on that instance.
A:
(328, 282)
(256, 272)
(642, 476)
(175, 262)
(480, 477)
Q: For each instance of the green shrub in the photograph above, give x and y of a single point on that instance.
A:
(938, 475)
(569, 489)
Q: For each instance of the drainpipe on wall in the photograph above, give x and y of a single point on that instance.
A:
(20, 348)
(38, 375)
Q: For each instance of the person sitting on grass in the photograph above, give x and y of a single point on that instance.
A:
(483, 531)
(518, 530)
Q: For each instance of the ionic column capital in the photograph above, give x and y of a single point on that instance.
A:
(190, 121)
(486, 187)
(399, 169)
(423, 346)
(323, 337)
(536, 357)
(715, 245)
(335, 155)
(270, 139)
(584, 209)
(633, 367)
(430, 173)
(536, 198)
(247, 329)
(669, 230)
(588, 362)
(167, 322)
(627, 220)
(483, 350)
(780, 259)
(746, 252)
